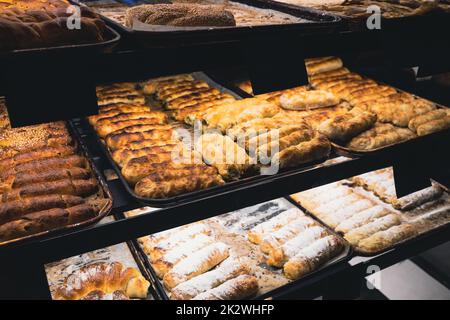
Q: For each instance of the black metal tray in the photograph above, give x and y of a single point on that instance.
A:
(103, 192)
(113, 38)
(319, 23)
(200, 194)
(343, 257)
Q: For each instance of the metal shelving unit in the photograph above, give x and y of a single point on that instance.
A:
(22, 272)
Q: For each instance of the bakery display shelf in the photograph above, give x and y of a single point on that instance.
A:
(104, 194)
(166, 36)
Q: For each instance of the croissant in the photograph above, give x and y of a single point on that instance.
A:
(104, 277)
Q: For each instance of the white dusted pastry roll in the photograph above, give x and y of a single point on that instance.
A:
(257, 233)
(312, 257)
(239, 288)
(362, 218)
(227, 270)
(328, 208)
(278, 256)
(196, 264)
(345, 213)
(184, 235)
(171, 257)
(275, 239)
(380, 224)
(383, 239)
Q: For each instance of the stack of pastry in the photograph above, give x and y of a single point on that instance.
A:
(45, 184)
(103, 281)
(194, 265)
(295, 242)
(33, 24)
(381, 183)
(146, 146)
(369, 226)
(184, 96)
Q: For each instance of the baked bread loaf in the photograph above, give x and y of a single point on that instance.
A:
(107, 278)
(47, 27)
(180, 14)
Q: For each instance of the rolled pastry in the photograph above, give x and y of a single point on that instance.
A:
(15, 209)
(257, 233)
(196, 264)
(110, 127)
(434, 126)
(52, 174)
(312, 257)
(81, 188)
(380, 224)
(44, 164)
(426, 117)
(344, 127)
(308, 100)
(264, 152)
(171, 257)
(122, 156)
(362, 218)
(160, 189)
(41, 153)
(307, 151)
(113, 111)
(383, 239)
(343, 214)
(224, 154)
(279, 256)
(275, 239)
(121, 140)
(241, 287)
(184, 235)
(228, 269)
(324, 65)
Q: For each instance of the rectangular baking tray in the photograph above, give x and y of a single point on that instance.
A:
(113, 38)
(103, 192)
(320, 23)
(414, 24)
(343, 257)
(444, 228)
(200, 194)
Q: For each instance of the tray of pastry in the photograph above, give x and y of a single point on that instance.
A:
(49, 184)
(153, 138)
(367, 213)
(252, 253)
(181, 22)
(381, 116)
(358, 115)
(111, 273)
(402, 13)
(47, 26)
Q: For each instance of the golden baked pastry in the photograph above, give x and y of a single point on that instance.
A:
(105, 277)
(344, 127)
(381, 135)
